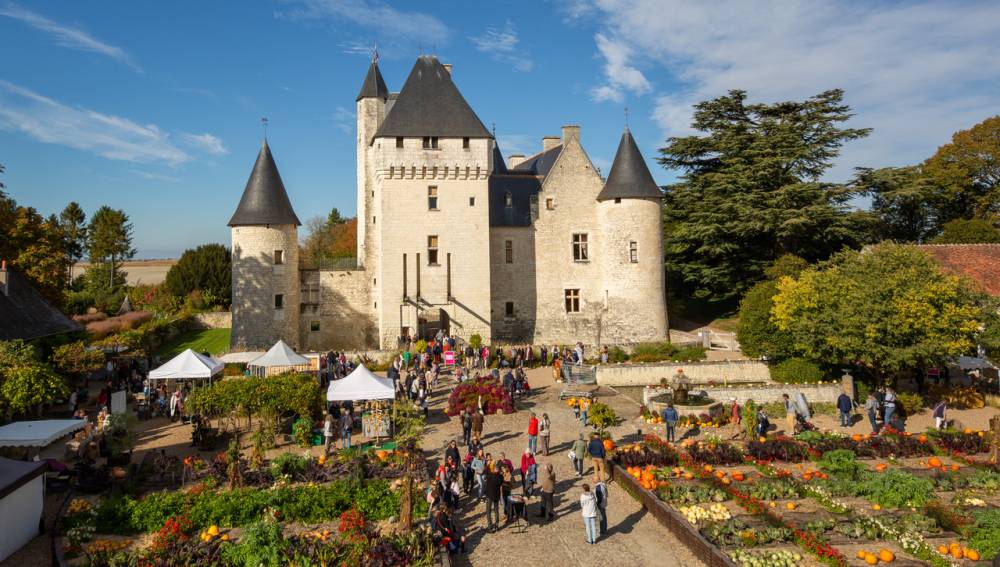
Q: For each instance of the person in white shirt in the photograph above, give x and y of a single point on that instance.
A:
(588, 507)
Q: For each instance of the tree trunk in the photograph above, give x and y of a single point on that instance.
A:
(406, 504)
(995, 432)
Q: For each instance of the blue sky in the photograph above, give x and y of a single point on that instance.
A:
(155, 107)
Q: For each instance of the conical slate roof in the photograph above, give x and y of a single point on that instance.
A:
(430, 105)
(629, 177)
(374, 85)
(264, 200)
(499, 165)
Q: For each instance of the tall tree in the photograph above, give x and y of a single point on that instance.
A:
(968, 172)
(903, 202)
(206, 268)
(326, 241)
(750, 190)
(74, 224)
(966, 231)
(110, 240)
(334, 218)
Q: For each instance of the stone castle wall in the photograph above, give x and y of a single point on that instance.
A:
(342, 319)
(513, 282)
(732, 371)
(214, 320)
(257, 280)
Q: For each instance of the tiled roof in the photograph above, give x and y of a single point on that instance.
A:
(540, 163)
(264, 201)
(522, 189)
(629, 177)
(977, 262)
(25, 314)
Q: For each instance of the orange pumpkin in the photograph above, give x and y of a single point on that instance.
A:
(688, 476)
(609, 445)
(871, 559)
(738, 476)
(957, 553)
(709, 468)
(382, 455)
(881, 467)
(857, 437)
(922, 438)
(955, 467)
(971, 554)
(886, 556)
(862, 553)
(720, 474)
(934, 462)
(968, 431)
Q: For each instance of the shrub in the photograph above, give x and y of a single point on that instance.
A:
(617, 354)
(302, 432)
(494, 397)
(420, 346)
(912, 403)
(476, 341)
(261, 543)
(601, 416)
(657, 352)
(796, 371)
(288, 463)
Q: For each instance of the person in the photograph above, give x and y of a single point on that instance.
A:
(529, 473)
(477, 423)
(890, 405)
(175, 402)
(601, 495)
(844, 406)
(451, 453)
(492, 491)
(735, 418)
(548, 485)
(763, 424)
(449, 532)
(588, 507)
(578, 451)
(327, 433)
(871, 408)
(466, 418)
(790, 414)
(346, 425)
(604, 354)
(596, 451)
(73, 396)
(584, 410)
(544, 431)
(506, 489)
(533, 433)
(479, 469)
(670, 416)
(939, 411)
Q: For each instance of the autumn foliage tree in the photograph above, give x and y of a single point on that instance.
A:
(330, 238)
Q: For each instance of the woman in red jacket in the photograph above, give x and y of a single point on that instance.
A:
(533, 433)
(529, 472)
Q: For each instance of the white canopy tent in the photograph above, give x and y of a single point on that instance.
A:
(362, 384)
(280, 358)
(37, 433)
(188, 365)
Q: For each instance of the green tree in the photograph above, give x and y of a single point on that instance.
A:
(334, 218)
(888, 309)
(16, 353)
(903, 202)
(73, 221)
(967, 170)
(35, 246)
(207, 268)
(110, 240)
(750, 190)
(27, 387)
(965, 231)
(74, 358)
(757, 333)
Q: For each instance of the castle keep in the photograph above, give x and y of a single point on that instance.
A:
(450, 236)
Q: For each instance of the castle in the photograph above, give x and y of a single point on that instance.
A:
(538, 250)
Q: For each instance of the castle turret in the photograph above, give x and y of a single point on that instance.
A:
(265, 260)
(372, 101)
(630, 212)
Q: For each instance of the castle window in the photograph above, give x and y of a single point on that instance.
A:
(373, 220)
(465, 143)
(550, 204)
(618, 200)
(572, 301)
(508, 251)
(432, 250)
(279, 257)
(279, 301)
(633, 252)
(310, 293)
(508, 200)
(399, 141)
(432, 198)
(508, 310)
(430, 142)
(314, 326)
(580, 253)
(472, 201)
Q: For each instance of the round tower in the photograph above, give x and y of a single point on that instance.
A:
(265, 249)
(630, 212)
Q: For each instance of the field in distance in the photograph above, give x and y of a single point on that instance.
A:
(149, 272)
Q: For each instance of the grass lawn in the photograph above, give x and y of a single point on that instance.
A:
(212, 341)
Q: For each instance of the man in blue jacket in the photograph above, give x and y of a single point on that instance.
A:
(845, 406)
(670, 417)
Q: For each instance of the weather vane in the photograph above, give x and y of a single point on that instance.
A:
(263, 121)
(494, 129)
(626, 117)
(375, 51)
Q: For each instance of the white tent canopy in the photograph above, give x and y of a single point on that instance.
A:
(186, 365)
(973, 363)
(280, 355)
(37, 433)
(361, 384)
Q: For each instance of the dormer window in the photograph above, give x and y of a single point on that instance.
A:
(399, 141)
(508, 200)
(430, 142)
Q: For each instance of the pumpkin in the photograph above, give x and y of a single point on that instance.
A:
(225, 537)
(609, 445)
(922, 438)
(382, 455)
(881, 467)
(321, 460)
(886, 556)
(647, 476)
(857, 437)
(956, 552)
(862, 553)
(709, 468)
(725, 481)
(688, 476)
(955, 467)
(943, 549)
(763, 439)
(968, 431)
(934, 462)
(720, 474)
(871, 559)
(971, 554)
(791, 506)
(738, 476)
(980, 433)
(876, 507)
(213, 530)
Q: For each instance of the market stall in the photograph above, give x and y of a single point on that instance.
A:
(279, 359)
(363, 385)
(188, 365)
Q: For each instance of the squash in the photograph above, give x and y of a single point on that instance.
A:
(791, 506)
(738, 476)
(957, 553)
(876, 507)
(857, 437)
(720, 474)
(609, 445)
(381, 455)
(934, 462)
(762, 439)
(955, 468)
(943, 549)
(862, 553)
(688, 476)
(922, 439)
(871, 559)
(709, 468)
(881, 467)
(971, 554)
(886, 556)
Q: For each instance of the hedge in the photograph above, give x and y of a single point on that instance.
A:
(796, 371)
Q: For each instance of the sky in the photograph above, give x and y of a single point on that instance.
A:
(156, 107)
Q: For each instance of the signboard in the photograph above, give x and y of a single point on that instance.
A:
(449, 357)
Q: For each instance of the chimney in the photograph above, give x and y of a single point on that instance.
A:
(570, 132)
(514, 160)
(4, 278)
(447, 67)
(549, 142)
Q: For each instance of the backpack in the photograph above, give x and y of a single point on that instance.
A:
(600, 492)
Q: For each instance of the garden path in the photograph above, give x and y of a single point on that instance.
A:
(634, 537)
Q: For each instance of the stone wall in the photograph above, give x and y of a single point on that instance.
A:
(514, 283)
(768, 393)
(698, 372)
(214, 320)
(257, 280)
(342, 319)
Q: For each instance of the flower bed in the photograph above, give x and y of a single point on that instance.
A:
(487, 390)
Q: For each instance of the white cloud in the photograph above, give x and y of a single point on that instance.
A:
(914, 71)
(68, 36)
(110, 136)
(207, 143)
(518, 144)
(389, 23)
(345, 120)
(502, 45)
(603, 93)
(153, 176)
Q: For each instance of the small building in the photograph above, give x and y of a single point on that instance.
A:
(22, 504)
(25, 313)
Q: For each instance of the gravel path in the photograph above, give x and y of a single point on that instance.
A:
(634, 537)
